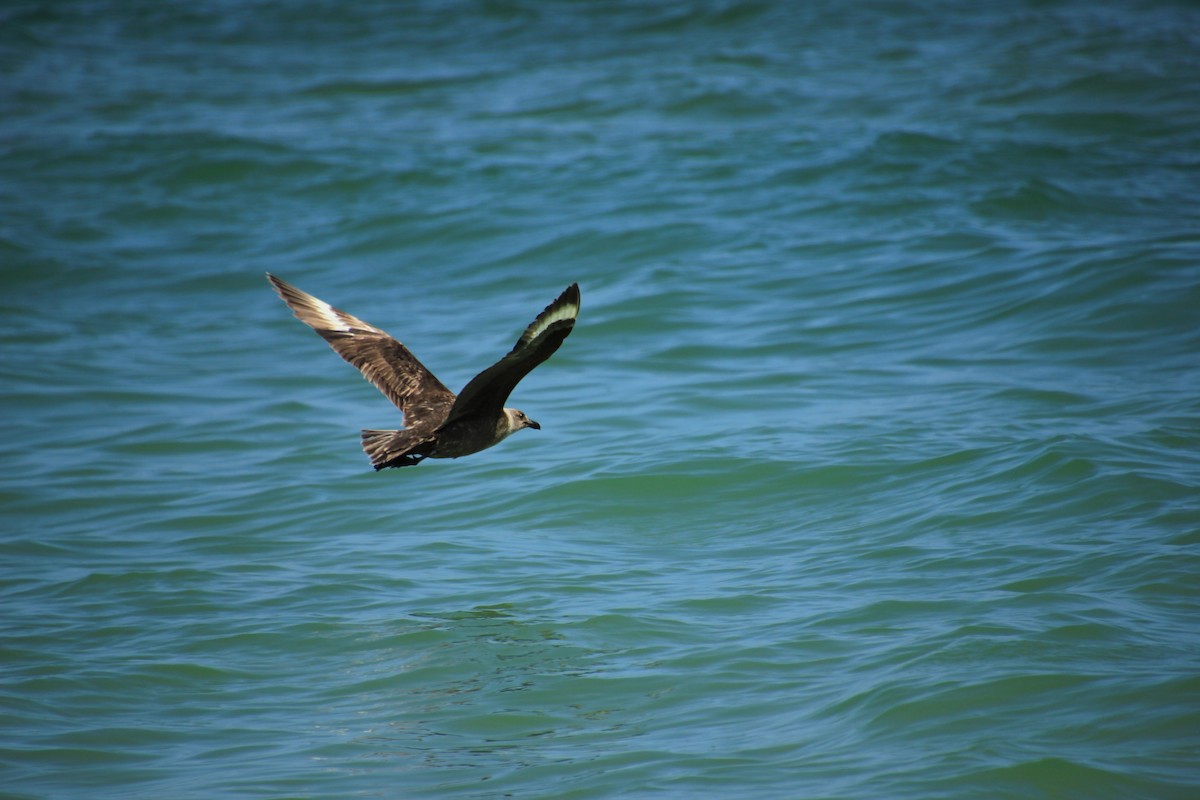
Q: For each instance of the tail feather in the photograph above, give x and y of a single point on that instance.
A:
(394, 448)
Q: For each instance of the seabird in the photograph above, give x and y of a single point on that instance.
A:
(438, 424)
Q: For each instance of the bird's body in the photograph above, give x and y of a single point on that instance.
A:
(438, 423)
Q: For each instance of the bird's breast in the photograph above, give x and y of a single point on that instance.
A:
(470, 435)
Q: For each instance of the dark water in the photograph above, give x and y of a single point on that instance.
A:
(871, 470)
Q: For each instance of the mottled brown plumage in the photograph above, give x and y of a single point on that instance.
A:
(437, 423)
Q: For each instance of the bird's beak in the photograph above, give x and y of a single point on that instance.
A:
(531, 424)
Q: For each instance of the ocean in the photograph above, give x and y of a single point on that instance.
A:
(871, 469)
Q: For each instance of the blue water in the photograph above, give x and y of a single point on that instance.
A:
(872, 468)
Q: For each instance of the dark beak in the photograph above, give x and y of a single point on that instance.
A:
(531, 424)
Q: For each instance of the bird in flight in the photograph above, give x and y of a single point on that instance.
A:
(438, 423)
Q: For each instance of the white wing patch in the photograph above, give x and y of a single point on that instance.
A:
(329, 315)
(565, 312)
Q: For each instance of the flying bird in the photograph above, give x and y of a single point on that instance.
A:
(438, 423)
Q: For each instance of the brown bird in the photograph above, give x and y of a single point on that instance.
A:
(438, 424)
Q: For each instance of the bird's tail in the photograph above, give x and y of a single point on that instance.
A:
(393, 448)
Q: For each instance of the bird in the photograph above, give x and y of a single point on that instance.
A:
(437, 422)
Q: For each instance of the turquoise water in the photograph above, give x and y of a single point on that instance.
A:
(871, 470)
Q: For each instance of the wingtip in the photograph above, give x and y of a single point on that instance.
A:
(571, 294)
(568, 301)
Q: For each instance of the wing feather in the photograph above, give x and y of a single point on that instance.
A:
(488, 391)
(382, 360)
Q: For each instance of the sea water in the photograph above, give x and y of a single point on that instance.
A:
(872, 468)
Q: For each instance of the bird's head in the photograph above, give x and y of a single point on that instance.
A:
(517, 420)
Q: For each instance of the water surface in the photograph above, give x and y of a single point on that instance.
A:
(871, 470)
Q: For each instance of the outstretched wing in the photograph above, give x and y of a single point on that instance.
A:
(381, 359)
(487, 391)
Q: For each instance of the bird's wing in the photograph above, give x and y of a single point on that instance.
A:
(381, 359)
(488, 390)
